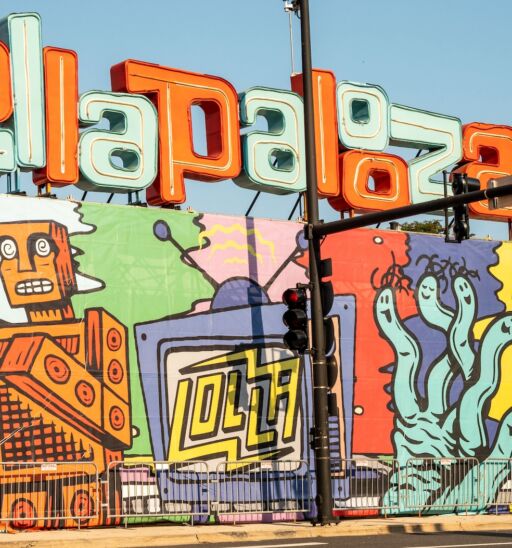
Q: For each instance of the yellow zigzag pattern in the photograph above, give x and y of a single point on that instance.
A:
(232, 244)
(237, 228)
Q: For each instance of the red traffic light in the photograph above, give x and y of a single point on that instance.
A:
(296, 320)
(294, 297)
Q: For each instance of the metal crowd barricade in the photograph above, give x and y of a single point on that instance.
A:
(497, 484)
(263, 487)
(361, 484)
(49, 494)
(442, 484)
(151, 489)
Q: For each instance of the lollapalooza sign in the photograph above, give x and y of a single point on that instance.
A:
(149, 143)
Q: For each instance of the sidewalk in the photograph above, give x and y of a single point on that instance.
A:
(165, 535)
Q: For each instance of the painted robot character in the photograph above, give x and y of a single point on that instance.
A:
(37, 270)
(64, 392)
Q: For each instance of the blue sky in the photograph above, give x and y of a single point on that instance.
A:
(447, 56)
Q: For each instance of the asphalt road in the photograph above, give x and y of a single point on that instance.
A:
(474, 539)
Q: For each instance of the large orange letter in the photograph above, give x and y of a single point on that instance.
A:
(371, 181)
(326, 129)
(488, 148)
(61, 97)
(5, 84)
(7, 146)
(174, 93)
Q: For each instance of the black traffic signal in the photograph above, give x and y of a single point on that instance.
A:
(332, 377)
(461, 184)
(327, 293)
(296, 319)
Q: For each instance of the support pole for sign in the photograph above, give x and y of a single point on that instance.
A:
(318, 360)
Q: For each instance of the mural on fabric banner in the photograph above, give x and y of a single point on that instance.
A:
(443, 393)
(64, 391)
(228, 389)
(449, 399)
(220, 380)
(143, 337)
(146, 335)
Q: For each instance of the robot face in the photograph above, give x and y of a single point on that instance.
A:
(35, 263)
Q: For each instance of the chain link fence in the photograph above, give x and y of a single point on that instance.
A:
(49, 494)
(262, 487)
(73, 494)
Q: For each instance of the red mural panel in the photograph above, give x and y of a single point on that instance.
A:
(359, 270)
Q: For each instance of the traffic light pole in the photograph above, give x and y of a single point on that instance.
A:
(318, 359)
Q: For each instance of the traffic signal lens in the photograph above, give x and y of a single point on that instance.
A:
(296, 340)
(332, 371)
(290, 296)
(294, 297)
(327, 292)
(295, 318)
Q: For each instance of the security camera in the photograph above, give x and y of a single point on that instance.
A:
(291, 5)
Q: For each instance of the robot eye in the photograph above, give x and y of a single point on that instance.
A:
(42, 247)
(8, 249)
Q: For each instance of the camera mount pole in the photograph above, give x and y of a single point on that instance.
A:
(318, 359)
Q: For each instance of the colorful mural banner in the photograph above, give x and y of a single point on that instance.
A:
(133, 335)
